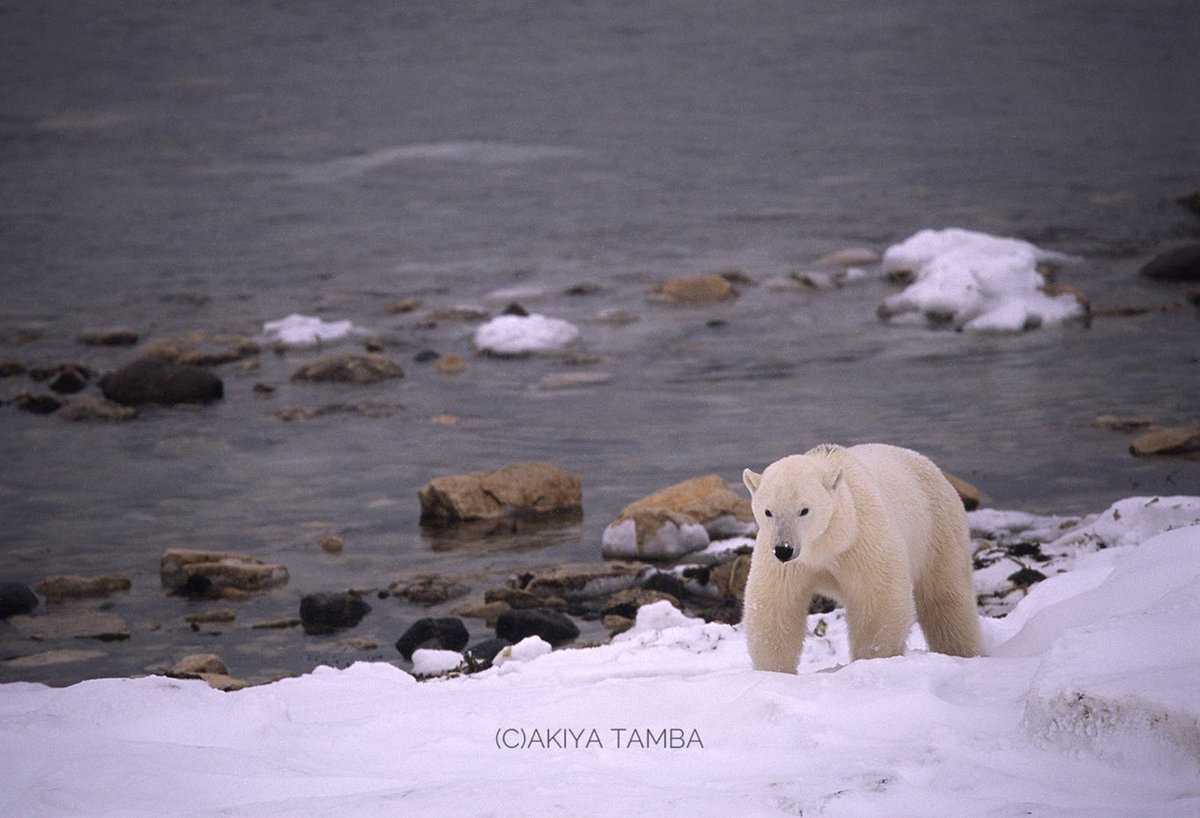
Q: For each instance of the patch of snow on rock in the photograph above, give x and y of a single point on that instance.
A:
(524, 334)
(306, 330)
(975, 282)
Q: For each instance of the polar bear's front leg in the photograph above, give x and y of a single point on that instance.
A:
(775, 618)
(879, 621)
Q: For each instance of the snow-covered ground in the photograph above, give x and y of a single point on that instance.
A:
(1088, 703)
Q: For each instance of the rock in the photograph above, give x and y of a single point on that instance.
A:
(326, 613)
(626, 603)
(849, 257)
(444, 633)
(331, 543)
(276, 624)
(96, 409)
(699, 289)
(160, 381)
(16, 598)
(652, 534)
(1179, 264)
(729, 578)
(195, 572)
(1122, 424)
(197, 663)
(198, 349)
(1164, 441)
(403, 305)
(114, 337)
(450, 364)
(350, 368)
(428, 589)
(357, 643)
(517, 599)
(54, 657)
(615, 623)
(1193, 295)
(68, 586)
(971, 497)
(583, 580)
(70, 378)
(37, 404)
(482, 653)
(11, 369)
(552, 626)
(514, 490)
(211, 616)
(477, 608)
(677, 520)
(72, 624)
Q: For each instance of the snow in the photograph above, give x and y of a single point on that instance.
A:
(428, 662)
(976, 282)
(1087, 703)
(524, 334)
(306, 330)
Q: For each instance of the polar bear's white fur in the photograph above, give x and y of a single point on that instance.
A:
(878, 528)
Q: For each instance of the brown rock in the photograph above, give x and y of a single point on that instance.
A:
(99, 409)
(971, 497)
(477, 608)
(514, 490)
(197, 663)
(1164, 441)
(428, 589)
(211, 616)
(583, 580)
(360, 369)
(404, 305)
(450, 364)
(615, 623)
(730, 578)
(331, 543)
(68, 586)
(210, 573)
(115, 337)
(276, 624)
(1122, 424)
(701, 289)
(198, 349)
(708, 500)
(71, 624)
(516, 599)
(54, 657)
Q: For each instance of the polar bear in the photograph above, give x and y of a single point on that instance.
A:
(876, 527)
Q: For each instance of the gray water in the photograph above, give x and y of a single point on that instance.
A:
(209, 166)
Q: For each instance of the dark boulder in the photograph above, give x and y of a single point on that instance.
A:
(326, 613)
(554, 627)
(482, 654)
(44, 404)
(1180, 264)
(443, 633)
(157, 380)
(16, 598)
(70, 378)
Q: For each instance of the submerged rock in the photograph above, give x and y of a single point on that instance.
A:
(699, 289)
(1179, 264)
(199, 349)
(43, 404)
(72, 623)
(428, 589)
(514, 490)
(113, 337)
(1166, 441)
(96, 409)
(351, 368)
(16, 598)
(160, 381)
(585, 580)
(69, 586)
(195, 572)
(326, 613)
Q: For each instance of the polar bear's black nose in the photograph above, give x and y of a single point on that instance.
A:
(784, 551)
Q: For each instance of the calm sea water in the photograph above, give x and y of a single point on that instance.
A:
(212, 166)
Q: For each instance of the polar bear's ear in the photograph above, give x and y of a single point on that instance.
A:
(833, 480)
(751, 480)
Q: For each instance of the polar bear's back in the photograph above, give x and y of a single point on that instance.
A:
(917, 498)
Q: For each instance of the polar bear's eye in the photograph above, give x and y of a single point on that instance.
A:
(767, 512)
(802, 512)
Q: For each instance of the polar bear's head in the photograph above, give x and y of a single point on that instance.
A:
(793, 501)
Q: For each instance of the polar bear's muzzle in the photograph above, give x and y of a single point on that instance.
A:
(784, 551)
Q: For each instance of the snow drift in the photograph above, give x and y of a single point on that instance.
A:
(1087, 704)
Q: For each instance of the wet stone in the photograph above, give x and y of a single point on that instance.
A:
(552, 626)
(443, 633)
(72, 624)
(69, 586)
(329, 612)
(88, 408)
(113, 337)
(16, 598)
(356, 369)
(160, 381)
(195, 572)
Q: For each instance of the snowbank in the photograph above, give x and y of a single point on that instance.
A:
(1087, 704)
(524, 334)
(975, 282)
(305, 330)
